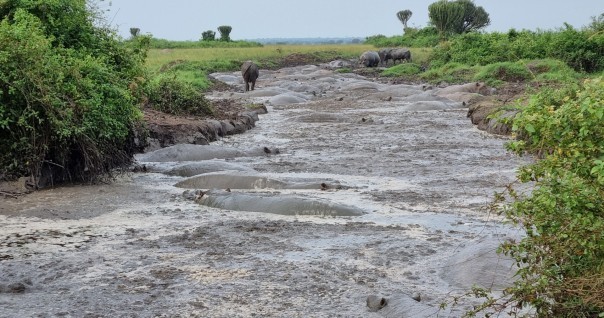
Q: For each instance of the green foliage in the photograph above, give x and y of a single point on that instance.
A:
(474, 49)
(581, 50)
(451, 73)
(134, 32)
(425, 37)
(561, 258)
(404, 17)
(208, 35)
(225, 33)
(457, 17)
(554, 72)
(446, 16)
(68, 92)
(403, 69)
(597, 24)
(174, 95)
(504, 71)
(474, 18)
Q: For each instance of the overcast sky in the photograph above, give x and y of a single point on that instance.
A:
(252, 19)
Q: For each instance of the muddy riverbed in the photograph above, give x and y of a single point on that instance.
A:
(346, 188)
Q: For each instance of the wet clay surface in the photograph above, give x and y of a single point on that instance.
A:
(140, 248)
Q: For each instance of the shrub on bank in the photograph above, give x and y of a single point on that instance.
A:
(581, 50)
(69, 93)
(173, 95)
(561, 258)
(413, 37)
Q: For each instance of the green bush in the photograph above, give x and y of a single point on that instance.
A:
(171, 94)
(505, 72)
(561, 257)
(425, 37)
(581, 50)
(549, 71)
(68, 92)
(451, 73)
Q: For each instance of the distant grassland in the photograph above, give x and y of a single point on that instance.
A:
(192, 65)
(160, 57)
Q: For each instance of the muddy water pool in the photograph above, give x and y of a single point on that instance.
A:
(140, 248)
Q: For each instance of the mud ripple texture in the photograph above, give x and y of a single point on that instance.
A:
(407, 157)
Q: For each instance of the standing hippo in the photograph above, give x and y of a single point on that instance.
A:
(249, 71)
(402, 54)
(385, 55)
(370, 59)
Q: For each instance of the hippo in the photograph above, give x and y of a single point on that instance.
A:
(370, 59)
(385, 55)
(402, 54)
(249, 71)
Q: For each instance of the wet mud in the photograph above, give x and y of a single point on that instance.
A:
(414, 172)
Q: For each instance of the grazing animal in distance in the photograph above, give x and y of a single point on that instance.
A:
(370, 59)
(385, 55)
(249, 71)
(401, 54)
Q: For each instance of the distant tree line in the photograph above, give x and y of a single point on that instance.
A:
(225, 34)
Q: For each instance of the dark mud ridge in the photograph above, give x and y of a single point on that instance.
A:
(200, 132)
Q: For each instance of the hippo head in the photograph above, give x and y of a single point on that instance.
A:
(481, 88)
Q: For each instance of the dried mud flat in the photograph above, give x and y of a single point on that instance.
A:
(408, 158)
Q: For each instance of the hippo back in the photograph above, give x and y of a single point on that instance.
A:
(370, 58)
(249, 71)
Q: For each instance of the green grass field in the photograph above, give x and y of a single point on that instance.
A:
(193, 64)
(160, 57)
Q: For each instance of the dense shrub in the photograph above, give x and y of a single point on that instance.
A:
(561, 257)
(68, 92)
(171, 94)
(581, 50)
(451, 73)
(505, 72)
(425, 37)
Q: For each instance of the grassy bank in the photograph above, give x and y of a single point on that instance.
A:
(212, 56)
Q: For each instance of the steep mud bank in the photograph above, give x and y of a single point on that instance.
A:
(142, 247)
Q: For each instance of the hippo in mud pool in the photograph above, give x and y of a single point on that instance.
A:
(385, 55)
(249, 71)
(401, 54)
(370, 59)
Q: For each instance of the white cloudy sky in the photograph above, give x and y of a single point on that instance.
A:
(252, 19)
